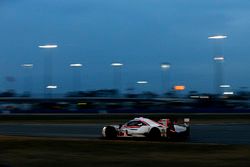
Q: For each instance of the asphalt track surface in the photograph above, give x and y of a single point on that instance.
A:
(200, 133)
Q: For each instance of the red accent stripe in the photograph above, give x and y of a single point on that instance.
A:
(133, 126)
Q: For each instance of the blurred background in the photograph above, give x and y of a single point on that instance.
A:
(124, 56)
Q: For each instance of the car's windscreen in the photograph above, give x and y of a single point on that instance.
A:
(135, 123)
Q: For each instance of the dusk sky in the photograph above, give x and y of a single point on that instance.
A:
(139, 33)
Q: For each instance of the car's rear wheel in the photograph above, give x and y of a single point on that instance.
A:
(154, 134)
(110, 132)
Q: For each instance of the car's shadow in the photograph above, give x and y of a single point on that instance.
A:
(146, 139)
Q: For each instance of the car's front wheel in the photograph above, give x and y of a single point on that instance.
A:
(110, 132)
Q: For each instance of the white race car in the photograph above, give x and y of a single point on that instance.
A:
(144, 127)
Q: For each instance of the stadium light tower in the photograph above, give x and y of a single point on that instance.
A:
(218, 62)
(141, 84)
(164, 67)
(117, 76)
(48, 70)
(217, 37)
(28, 81)
(76, 77)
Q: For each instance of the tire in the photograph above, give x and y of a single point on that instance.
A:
(110, 132)
(154, 134)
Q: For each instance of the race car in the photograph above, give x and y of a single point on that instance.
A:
(144, 127)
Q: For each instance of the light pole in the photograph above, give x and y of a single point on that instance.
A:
(141, 83)
(48, 71)
(117, 75)
(165, 67)
(76, 77)
(218, 69)
(50, 88)
(218, 62)
(28, 80)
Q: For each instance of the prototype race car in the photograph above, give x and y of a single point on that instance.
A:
(144, 127)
